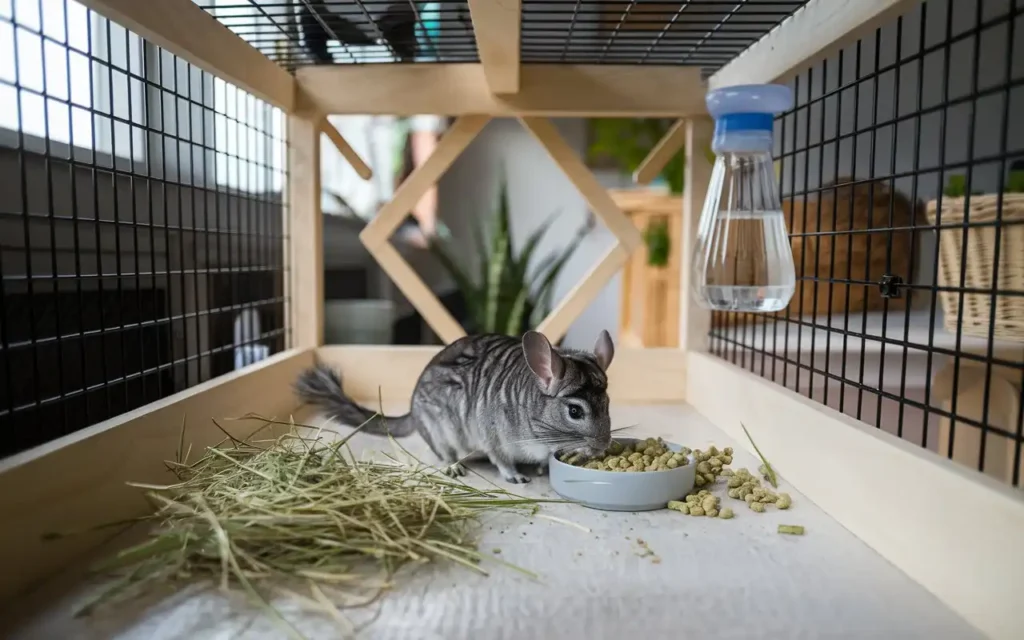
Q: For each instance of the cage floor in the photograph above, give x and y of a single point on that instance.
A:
(716, 578)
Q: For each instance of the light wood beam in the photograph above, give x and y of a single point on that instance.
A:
(304, 232)
(695, 320)
(346, 150)
(496, 25)
(817, 30)
(670, 144)
(375, 237)
(449, 147)
(627, 235)
(583, 179)
(544, 90)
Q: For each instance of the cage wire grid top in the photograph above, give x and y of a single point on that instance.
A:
(702, 33)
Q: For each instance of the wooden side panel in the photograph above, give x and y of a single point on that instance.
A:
(953, 530)
(79, 481)
(636, 375)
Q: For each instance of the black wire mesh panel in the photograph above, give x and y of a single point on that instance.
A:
(140, 223)
(704, 33)
(308, 32)
(902, 171)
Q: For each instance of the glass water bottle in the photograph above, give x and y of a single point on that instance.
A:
(743, 260)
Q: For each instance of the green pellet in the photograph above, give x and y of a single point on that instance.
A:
(791, 529)
(681, 507)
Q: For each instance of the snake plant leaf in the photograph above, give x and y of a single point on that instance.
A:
(550, 276)
(516, 287)
(552, 269)
(462, 280)
(530, 247)
(482, 253)
(506, 294)
(496, 272)
(515, 314)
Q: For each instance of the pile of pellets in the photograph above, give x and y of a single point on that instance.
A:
(711, 464)
(702, 503)
(651, 454)
(745, 486)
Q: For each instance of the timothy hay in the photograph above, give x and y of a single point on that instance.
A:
(300, 512)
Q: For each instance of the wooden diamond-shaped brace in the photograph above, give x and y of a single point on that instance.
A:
(377, 233)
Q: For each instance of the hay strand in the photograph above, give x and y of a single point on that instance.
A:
(262, 515)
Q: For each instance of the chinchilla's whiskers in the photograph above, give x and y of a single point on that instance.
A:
(548, 427)
(624, 428)
(548, 440)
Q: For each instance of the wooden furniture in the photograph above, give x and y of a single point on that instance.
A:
(649, 309)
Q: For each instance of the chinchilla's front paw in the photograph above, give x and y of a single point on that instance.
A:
(515, 478)
(455, 470)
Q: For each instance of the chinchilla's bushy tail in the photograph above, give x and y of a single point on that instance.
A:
(320, 386)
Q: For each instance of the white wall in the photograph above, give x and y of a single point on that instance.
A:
(537, 188)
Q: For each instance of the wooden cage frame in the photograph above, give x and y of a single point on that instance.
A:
(954, 531)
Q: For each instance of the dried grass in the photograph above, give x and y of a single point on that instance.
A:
(300, 512)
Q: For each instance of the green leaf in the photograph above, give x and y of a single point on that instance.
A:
(656, 237)
(956, 187)
(482, 253)
(507, 292)
(496, 270)
(546, 291)
(462, 281)
(515, 315)
(1015, 182)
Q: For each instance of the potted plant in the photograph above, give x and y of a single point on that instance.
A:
(507, 296)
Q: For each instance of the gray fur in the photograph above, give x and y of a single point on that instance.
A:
(494, 396)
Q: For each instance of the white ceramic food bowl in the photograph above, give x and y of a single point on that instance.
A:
(622, 491)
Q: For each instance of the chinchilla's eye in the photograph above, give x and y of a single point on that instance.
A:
(575, 412)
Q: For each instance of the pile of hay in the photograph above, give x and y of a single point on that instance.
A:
(301, 510)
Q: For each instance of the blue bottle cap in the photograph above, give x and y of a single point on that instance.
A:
(750, 98)
(744, 115)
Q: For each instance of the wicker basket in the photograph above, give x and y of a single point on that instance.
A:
(981, 245)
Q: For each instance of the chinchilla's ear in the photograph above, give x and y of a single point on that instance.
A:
(543, 360)
(604, 350)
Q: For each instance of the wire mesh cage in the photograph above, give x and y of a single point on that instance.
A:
(315, 32)
(700, 33)
(141, 223)
(706, 33)
(902, 167)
